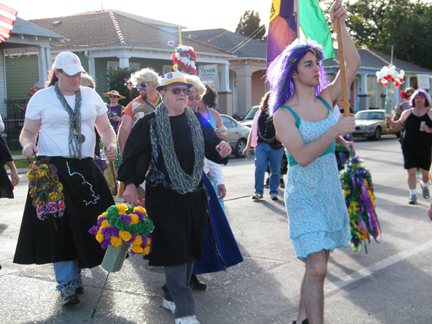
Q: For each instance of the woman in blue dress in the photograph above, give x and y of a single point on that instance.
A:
(218, 233)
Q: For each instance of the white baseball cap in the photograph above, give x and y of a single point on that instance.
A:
(68, 62)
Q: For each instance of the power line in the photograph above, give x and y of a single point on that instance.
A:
(245, 41)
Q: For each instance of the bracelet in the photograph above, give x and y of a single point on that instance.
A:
(113, 145)
(400, 123)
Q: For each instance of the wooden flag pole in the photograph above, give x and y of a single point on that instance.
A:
(342, 68)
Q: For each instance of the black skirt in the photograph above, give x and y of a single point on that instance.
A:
(86, 195)
(6, 187)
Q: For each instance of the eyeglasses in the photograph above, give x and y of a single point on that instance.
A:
(114, 97)
(197, 98)
(141, 85)
(177, 91)
(78, 75)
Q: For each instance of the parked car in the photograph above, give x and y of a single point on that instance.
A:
(248, 118)
(237, 135)
(371, 123)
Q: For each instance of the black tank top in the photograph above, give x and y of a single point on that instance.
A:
(414, 137)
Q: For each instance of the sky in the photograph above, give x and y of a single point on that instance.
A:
(206, 15)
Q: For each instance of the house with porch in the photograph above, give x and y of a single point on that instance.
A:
(24, 35)
(109, 39)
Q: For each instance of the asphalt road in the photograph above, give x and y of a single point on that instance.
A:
(390, 284)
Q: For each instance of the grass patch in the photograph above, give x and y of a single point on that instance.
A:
(21, 163)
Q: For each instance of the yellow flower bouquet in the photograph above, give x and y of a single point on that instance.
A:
(119, 228)
(121, 223)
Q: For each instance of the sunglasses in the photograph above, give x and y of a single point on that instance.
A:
(197, 98)
(177, 91)
(78, 75)
(114, 97)
(141, 85)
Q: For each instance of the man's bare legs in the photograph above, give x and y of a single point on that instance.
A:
(412, 180)
(312, 288)
(425, 175)
(301, 315)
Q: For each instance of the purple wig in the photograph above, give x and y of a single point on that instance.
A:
(280, 71)
(422, 93)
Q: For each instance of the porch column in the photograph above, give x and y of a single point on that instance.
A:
(363, 94)
(43, 69)
(123, 61)
(225, 78)
(91, 67)
(244, 86)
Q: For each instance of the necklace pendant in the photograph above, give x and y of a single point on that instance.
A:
(80, 138)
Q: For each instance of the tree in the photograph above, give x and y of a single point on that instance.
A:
(381, 24)
(115, 80)
(249, 25)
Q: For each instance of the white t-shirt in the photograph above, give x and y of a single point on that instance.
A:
(54, 132)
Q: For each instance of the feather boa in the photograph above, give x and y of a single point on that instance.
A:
(360, 201)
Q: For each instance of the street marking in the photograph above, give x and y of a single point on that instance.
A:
(331, 287)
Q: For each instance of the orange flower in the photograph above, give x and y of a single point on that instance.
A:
(147, 248)
(104, 224)
(125, 236)
(140, 209)
(102, 215)
(116, 241)
(138, 240)
(122, 208)
(137, 249)
(135, 219)
(99, 236)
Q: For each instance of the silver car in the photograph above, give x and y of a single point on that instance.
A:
(371, 123)
(237, 135)
(248, 118)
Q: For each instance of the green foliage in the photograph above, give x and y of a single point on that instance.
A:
(115, 80)
(249, 25)
(380, 24)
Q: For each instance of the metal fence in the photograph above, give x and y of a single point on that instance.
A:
(14, 121)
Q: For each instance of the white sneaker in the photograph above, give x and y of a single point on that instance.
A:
(169, 305)
(274, 197)
(191, 319)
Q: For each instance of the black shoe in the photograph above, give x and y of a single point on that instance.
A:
(267, 183)
(196, 284)
(413, 200)
(281, 183)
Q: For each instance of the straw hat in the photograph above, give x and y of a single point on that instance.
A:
(113, 93)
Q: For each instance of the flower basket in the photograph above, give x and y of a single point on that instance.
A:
(121, 228)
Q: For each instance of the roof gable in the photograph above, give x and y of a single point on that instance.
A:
(240, 45)
(110, 29)
(24, 27)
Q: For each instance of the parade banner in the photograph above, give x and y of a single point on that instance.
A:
(283, 26)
